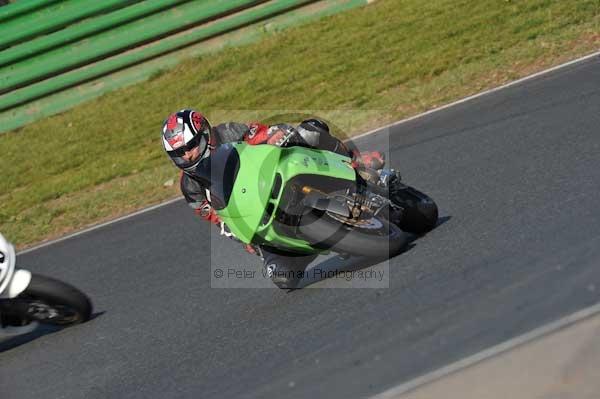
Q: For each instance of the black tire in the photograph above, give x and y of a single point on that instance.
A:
(62, 303)
(323, 231)
(420, 212)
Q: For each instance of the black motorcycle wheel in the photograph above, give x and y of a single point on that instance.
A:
(375, 237)
(420, 213)
(51, 301)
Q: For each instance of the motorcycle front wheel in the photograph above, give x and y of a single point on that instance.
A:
(420, 213)
(373, 237)
(52, 301)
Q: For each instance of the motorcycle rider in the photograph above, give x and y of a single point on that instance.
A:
(188, 138)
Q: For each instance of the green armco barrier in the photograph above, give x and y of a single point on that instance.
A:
(19, 8)
(84, 29)
(47, 98)
(113, 41)
(53, 18)
(161, 47)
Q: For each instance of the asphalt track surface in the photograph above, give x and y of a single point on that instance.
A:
(516, 174)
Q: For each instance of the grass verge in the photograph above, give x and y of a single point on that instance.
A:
(400, 57)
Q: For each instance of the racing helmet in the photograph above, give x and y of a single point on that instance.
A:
(182, 132)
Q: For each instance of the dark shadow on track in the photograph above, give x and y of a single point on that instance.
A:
(353, 263)
(442, 220)
(340, 264)
(40, 331)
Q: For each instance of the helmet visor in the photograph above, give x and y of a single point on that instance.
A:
(178, 155)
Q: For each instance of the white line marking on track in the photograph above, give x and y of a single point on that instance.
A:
(481, 94)
(136, 213)
(353, 138)
(425, 379)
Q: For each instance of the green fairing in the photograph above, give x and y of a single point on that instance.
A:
(251, 190)
(251, 194)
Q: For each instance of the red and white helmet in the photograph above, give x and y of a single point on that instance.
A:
(182, 132)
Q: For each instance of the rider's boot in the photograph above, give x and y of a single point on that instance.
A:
(369, 166)
(370, 160)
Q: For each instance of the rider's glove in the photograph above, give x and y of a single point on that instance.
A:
(282, 135)
(278, 135)
(257, 133)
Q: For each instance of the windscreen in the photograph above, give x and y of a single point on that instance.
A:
(219, 171)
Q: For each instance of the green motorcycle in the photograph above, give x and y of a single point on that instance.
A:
(306, 201)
